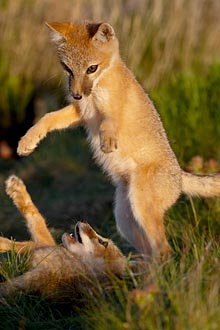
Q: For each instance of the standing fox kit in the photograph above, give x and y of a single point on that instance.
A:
(125, 133)
(55, 269)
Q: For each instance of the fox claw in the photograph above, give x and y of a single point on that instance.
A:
(29, 141)
(25, 146)
(108, 144)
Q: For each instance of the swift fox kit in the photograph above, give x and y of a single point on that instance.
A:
(56, 270)
(125, 133)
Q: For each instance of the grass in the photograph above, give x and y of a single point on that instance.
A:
(188, 297)
(190, 102)
(172, 47)
(67, 186)
(172, 36)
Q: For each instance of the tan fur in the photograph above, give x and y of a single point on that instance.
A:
(125, 133)
(55, 269)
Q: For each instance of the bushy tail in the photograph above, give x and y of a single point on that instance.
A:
(201, 185)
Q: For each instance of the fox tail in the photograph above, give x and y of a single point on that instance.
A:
(201, 185)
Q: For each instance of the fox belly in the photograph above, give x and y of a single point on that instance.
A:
(116, 165)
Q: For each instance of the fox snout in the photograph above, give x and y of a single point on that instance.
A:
(80, 86)
(76, 91)
(82, 90)
(82, 230)
(76, 96)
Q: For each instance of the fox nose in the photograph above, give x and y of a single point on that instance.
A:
(76, 96)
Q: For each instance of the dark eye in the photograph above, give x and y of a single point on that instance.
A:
(92, 69)
(104, 243)
(67, 69)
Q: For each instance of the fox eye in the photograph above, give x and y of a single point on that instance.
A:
(104, 243)
(67, 69)
(92, 69)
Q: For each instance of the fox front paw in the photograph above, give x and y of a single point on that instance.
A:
(29, 142)
(26, 146)
(108, 143)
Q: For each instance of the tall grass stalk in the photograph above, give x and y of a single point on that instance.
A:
(157, 37)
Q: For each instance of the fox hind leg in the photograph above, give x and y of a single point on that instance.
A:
(40, 234)
(32, 280)
(127, 225)
(151, 192)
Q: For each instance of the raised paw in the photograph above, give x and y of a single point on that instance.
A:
(29, 141)
(14, 186)
(108, 143)
(26, 146)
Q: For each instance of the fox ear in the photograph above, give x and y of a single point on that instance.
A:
(104, 33)
(58, 31)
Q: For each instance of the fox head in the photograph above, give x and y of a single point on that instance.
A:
(94, 250)
(85, 51)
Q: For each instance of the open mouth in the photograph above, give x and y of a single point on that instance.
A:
(77, 233)
(72, 238)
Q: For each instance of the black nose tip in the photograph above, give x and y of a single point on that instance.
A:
(77, 96)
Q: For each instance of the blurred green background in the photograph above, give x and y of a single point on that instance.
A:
(172, 46)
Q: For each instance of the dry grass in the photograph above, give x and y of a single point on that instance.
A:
(157, 37)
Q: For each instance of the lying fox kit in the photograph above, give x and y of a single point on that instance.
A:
(125, 133)
(52, 268)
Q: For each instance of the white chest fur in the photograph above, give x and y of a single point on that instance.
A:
(114, 164)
